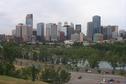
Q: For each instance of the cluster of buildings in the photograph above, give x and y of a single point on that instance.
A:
(98, 33)
(66, 32)
(50, 32)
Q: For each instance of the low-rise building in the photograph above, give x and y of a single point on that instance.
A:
(98, 38)
(68, 42)
(77, 37)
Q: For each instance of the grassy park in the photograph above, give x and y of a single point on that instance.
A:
(11, 80)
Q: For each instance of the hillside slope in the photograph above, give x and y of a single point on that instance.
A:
(10, 80)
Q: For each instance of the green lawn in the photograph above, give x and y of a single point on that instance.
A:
(10, 80)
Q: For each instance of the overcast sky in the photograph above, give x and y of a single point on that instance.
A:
(12, 12)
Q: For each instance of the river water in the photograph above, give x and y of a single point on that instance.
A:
(102, 65)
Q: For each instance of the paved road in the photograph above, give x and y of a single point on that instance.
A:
(89, 78)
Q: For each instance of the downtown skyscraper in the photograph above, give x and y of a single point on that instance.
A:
(29, 23)
(29, 20)
(40, 32)
(97, 24)
(23, 32)
(110, 32)
(51, 32)
(90, 31)
(54, 32)
(94, 27)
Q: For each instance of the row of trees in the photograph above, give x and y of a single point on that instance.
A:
(55, 76)
(113, 53)
(10, 51)
(7, 57)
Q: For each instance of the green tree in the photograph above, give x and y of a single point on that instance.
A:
(55, 76)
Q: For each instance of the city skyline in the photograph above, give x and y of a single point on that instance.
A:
(76, 11)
